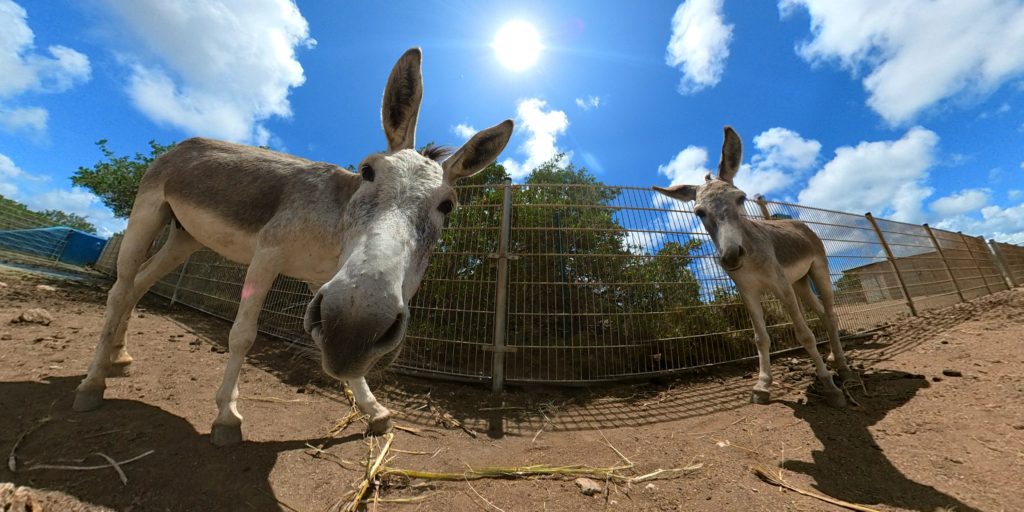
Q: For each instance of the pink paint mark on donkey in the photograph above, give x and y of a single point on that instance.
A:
(247, 290)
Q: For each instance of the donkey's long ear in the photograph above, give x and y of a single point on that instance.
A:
(732, 155)
(680, 192)
(402, 98)
(479, 151)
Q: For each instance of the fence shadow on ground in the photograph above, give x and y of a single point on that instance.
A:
(852, 467)
(215, 478)
(525, 410)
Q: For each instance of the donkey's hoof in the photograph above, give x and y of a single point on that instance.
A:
(836, 400)
(226, 435)
(88, 399)
(119, 370)
(380, 426)
(760, 397)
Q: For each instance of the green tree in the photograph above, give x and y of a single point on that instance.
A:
(115, 179)
(71, 220)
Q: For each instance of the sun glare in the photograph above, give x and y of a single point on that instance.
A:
(517, 45)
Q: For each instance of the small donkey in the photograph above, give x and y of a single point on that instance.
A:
(784, 256)
(361, 240)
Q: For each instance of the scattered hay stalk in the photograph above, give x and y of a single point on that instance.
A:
(775, 477)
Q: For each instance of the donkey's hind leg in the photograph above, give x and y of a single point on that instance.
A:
(787, 296)
(134, 277)
(826, 311)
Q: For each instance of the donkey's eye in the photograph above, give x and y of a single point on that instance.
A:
(366, 172)
(700, 212)
(446, 206)
(741, 200)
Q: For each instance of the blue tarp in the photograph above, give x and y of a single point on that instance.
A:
(59, 242)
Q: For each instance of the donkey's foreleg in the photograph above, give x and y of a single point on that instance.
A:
(227, 428)
(380, 417)
(785, 293)
(762, 390)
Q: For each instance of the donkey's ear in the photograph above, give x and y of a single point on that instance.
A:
(402, 98)
(479, 151)
(680, 192)
(732, 155)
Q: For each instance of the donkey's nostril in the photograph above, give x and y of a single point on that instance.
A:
(741, 252)
(313, 315)
(388, 338)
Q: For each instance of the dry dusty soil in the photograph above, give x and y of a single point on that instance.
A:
(918, 440)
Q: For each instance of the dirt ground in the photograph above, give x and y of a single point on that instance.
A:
(919, 439)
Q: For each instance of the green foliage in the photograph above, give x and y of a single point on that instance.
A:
(115, 180)
(573, 282)
(71, 220)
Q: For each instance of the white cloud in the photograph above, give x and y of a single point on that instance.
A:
(689, 166)
(8, 173)
(23, 70)
(29, 119)
(885, 177)
(588, 103)
(217, 68)
(782, 156)
(464, 131)
(699, 45)
(542, 129)
(898, 42)
(996, 222)
(961, 202)
(1014, 194)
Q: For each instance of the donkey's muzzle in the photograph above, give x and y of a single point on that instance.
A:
(354, 331)
(732, 259)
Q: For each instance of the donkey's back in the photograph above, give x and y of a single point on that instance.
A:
(244, 185)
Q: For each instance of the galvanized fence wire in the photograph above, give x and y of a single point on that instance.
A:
(21, 232)
(1013, 260)
(607, 283)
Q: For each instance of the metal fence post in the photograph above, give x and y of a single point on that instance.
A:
(761, 203)
(975, 260)
(177, 284)
(501, 291)
(892, 261)
(1005, 267)
(938, 248)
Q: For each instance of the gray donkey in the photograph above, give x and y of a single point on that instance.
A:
(361, 240)
(783, 256)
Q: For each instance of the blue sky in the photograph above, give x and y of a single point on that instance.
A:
(909, 109)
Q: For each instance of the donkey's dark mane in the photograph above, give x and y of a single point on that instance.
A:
(436, 152)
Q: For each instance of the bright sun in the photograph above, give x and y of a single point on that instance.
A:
(517, 45)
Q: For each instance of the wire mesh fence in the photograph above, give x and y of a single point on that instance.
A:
(581, 283)
(26, 232)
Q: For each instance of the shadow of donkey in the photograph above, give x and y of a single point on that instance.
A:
(852, 466)
(185, 472)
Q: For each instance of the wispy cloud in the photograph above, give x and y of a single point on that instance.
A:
(588, 103)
